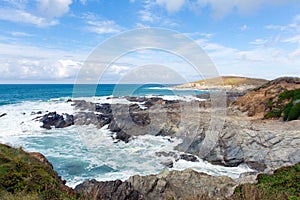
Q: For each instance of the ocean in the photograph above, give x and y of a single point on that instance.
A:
(85, 152)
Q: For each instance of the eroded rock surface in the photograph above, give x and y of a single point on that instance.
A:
(187, 184)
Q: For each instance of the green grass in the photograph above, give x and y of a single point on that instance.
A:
(283, 184)
(25, 177)
(279, 108)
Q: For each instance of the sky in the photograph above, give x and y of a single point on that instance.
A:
(48, 41)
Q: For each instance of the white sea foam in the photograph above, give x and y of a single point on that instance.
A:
(85, 152)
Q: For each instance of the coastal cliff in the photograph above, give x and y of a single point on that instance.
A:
(244, 140)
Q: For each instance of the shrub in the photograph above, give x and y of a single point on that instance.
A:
(283, 184)
(295, 112)
(274, 113)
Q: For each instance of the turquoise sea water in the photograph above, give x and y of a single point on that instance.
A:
(16, 93)
(85, 152)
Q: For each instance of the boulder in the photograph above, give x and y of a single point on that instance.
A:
(58, 121)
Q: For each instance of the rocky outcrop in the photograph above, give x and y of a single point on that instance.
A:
(53, 119)
(262, 145)
(187, 184)
(258, 103)
(2, 115)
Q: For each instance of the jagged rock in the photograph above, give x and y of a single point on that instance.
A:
(56, 120)
(170, 154)
(187, 184)
(263, 145)
(168, 163)
(188, 157)
(121, 135)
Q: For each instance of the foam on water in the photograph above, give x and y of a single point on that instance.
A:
(85, 152)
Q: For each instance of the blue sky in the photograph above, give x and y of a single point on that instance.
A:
(47, 41)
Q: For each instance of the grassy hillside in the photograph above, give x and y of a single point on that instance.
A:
(275, 99)
(283, 184)
(24, 176)
(233, 81)
(287, 105)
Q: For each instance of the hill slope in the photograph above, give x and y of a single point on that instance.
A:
(29, 176)
(226, 82)
(274, 99)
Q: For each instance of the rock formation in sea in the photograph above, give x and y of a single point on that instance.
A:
(246, 138)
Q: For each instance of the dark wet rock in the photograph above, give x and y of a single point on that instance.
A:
(259, 166)
(168, 163)
(36, 113)
(138, 115)
(2, 115)
(105, 109)
(113, 126)
(136, 99)
(189, 157)
(108, 190)
(69, 100)
(171, 154)
(58, 121)
(122, 135)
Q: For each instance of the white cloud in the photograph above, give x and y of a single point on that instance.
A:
(54, 8)
(294, 39)
(264, 61)
(103, 26)
(297, 18)
(21, 34)
(219, 8)
(296, 53)
(21, 63)
(146, 16)
(119, 70)
(171, 6)
(244, 27)
(259, 42)
(149, 15)
(47, 12)
(66, 68)
(20, 16)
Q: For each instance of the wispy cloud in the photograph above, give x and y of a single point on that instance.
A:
(259, 42)
(244, 27)
(99, 25)
(54, 8)
(43, 13)
(171, 6)
(20, 16)
(21, 34)
(104, 26)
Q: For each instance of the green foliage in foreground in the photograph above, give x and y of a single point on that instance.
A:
(283, 184)
(25, 177)
(289, 111)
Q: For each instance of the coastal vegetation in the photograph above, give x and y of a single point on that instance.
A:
(286, 105)
(24, 176)
(283, 184)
